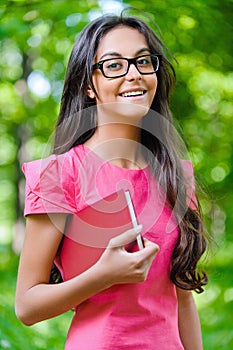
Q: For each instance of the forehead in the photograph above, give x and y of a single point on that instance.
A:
(124, 40)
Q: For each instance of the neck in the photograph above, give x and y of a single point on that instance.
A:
(119, 144)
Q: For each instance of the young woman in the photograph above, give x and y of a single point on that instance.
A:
(115, 132)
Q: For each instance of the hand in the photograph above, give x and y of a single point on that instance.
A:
(120, 266)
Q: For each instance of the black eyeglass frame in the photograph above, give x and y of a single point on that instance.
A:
(99, 65)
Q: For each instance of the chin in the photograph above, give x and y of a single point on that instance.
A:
(123, 111)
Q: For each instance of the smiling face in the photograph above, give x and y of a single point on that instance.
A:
(132, 94)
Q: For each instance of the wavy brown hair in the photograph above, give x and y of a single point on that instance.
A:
(77, 123)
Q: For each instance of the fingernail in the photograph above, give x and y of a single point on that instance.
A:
(138, 229)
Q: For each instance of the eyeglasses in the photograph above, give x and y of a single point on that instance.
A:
(118, 67)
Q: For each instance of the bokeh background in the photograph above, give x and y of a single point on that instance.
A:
(36, 40)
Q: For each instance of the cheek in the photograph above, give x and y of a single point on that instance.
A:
(155, 84)
(153, 87)
(106, 90)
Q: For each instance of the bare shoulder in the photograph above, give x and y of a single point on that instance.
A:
(42, 238)
(45, 228)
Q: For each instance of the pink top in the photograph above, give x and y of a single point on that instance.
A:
(126, 316)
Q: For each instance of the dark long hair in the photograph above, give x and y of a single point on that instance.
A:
(77, 123)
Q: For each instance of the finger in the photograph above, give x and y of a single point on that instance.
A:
(150, 244)
(125, 238)
(150, 249)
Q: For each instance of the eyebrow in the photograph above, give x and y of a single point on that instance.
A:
(116, 54)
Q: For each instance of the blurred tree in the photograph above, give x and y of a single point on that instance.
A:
(36, 40)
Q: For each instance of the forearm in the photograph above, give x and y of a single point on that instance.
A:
(44, 301)
(189, 323)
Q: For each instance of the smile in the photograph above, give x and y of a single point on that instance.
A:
(133, 93)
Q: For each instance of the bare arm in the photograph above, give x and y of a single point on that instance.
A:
(37, 300)
(189, 323)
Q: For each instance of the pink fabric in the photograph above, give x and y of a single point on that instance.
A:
(130, 316)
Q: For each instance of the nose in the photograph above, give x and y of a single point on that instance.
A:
(133, 73)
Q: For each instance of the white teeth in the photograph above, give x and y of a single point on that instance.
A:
(132, 93)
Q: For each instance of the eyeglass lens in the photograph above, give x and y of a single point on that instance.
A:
(118, 66)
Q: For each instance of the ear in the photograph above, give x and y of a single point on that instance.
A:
(90, 92)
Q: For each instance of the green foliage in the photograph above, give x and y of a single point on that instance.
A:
(36, 39)
(49, 334)
(216, 304)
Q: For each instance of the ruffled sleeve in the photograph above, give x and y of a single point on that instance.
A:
(49, 186)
